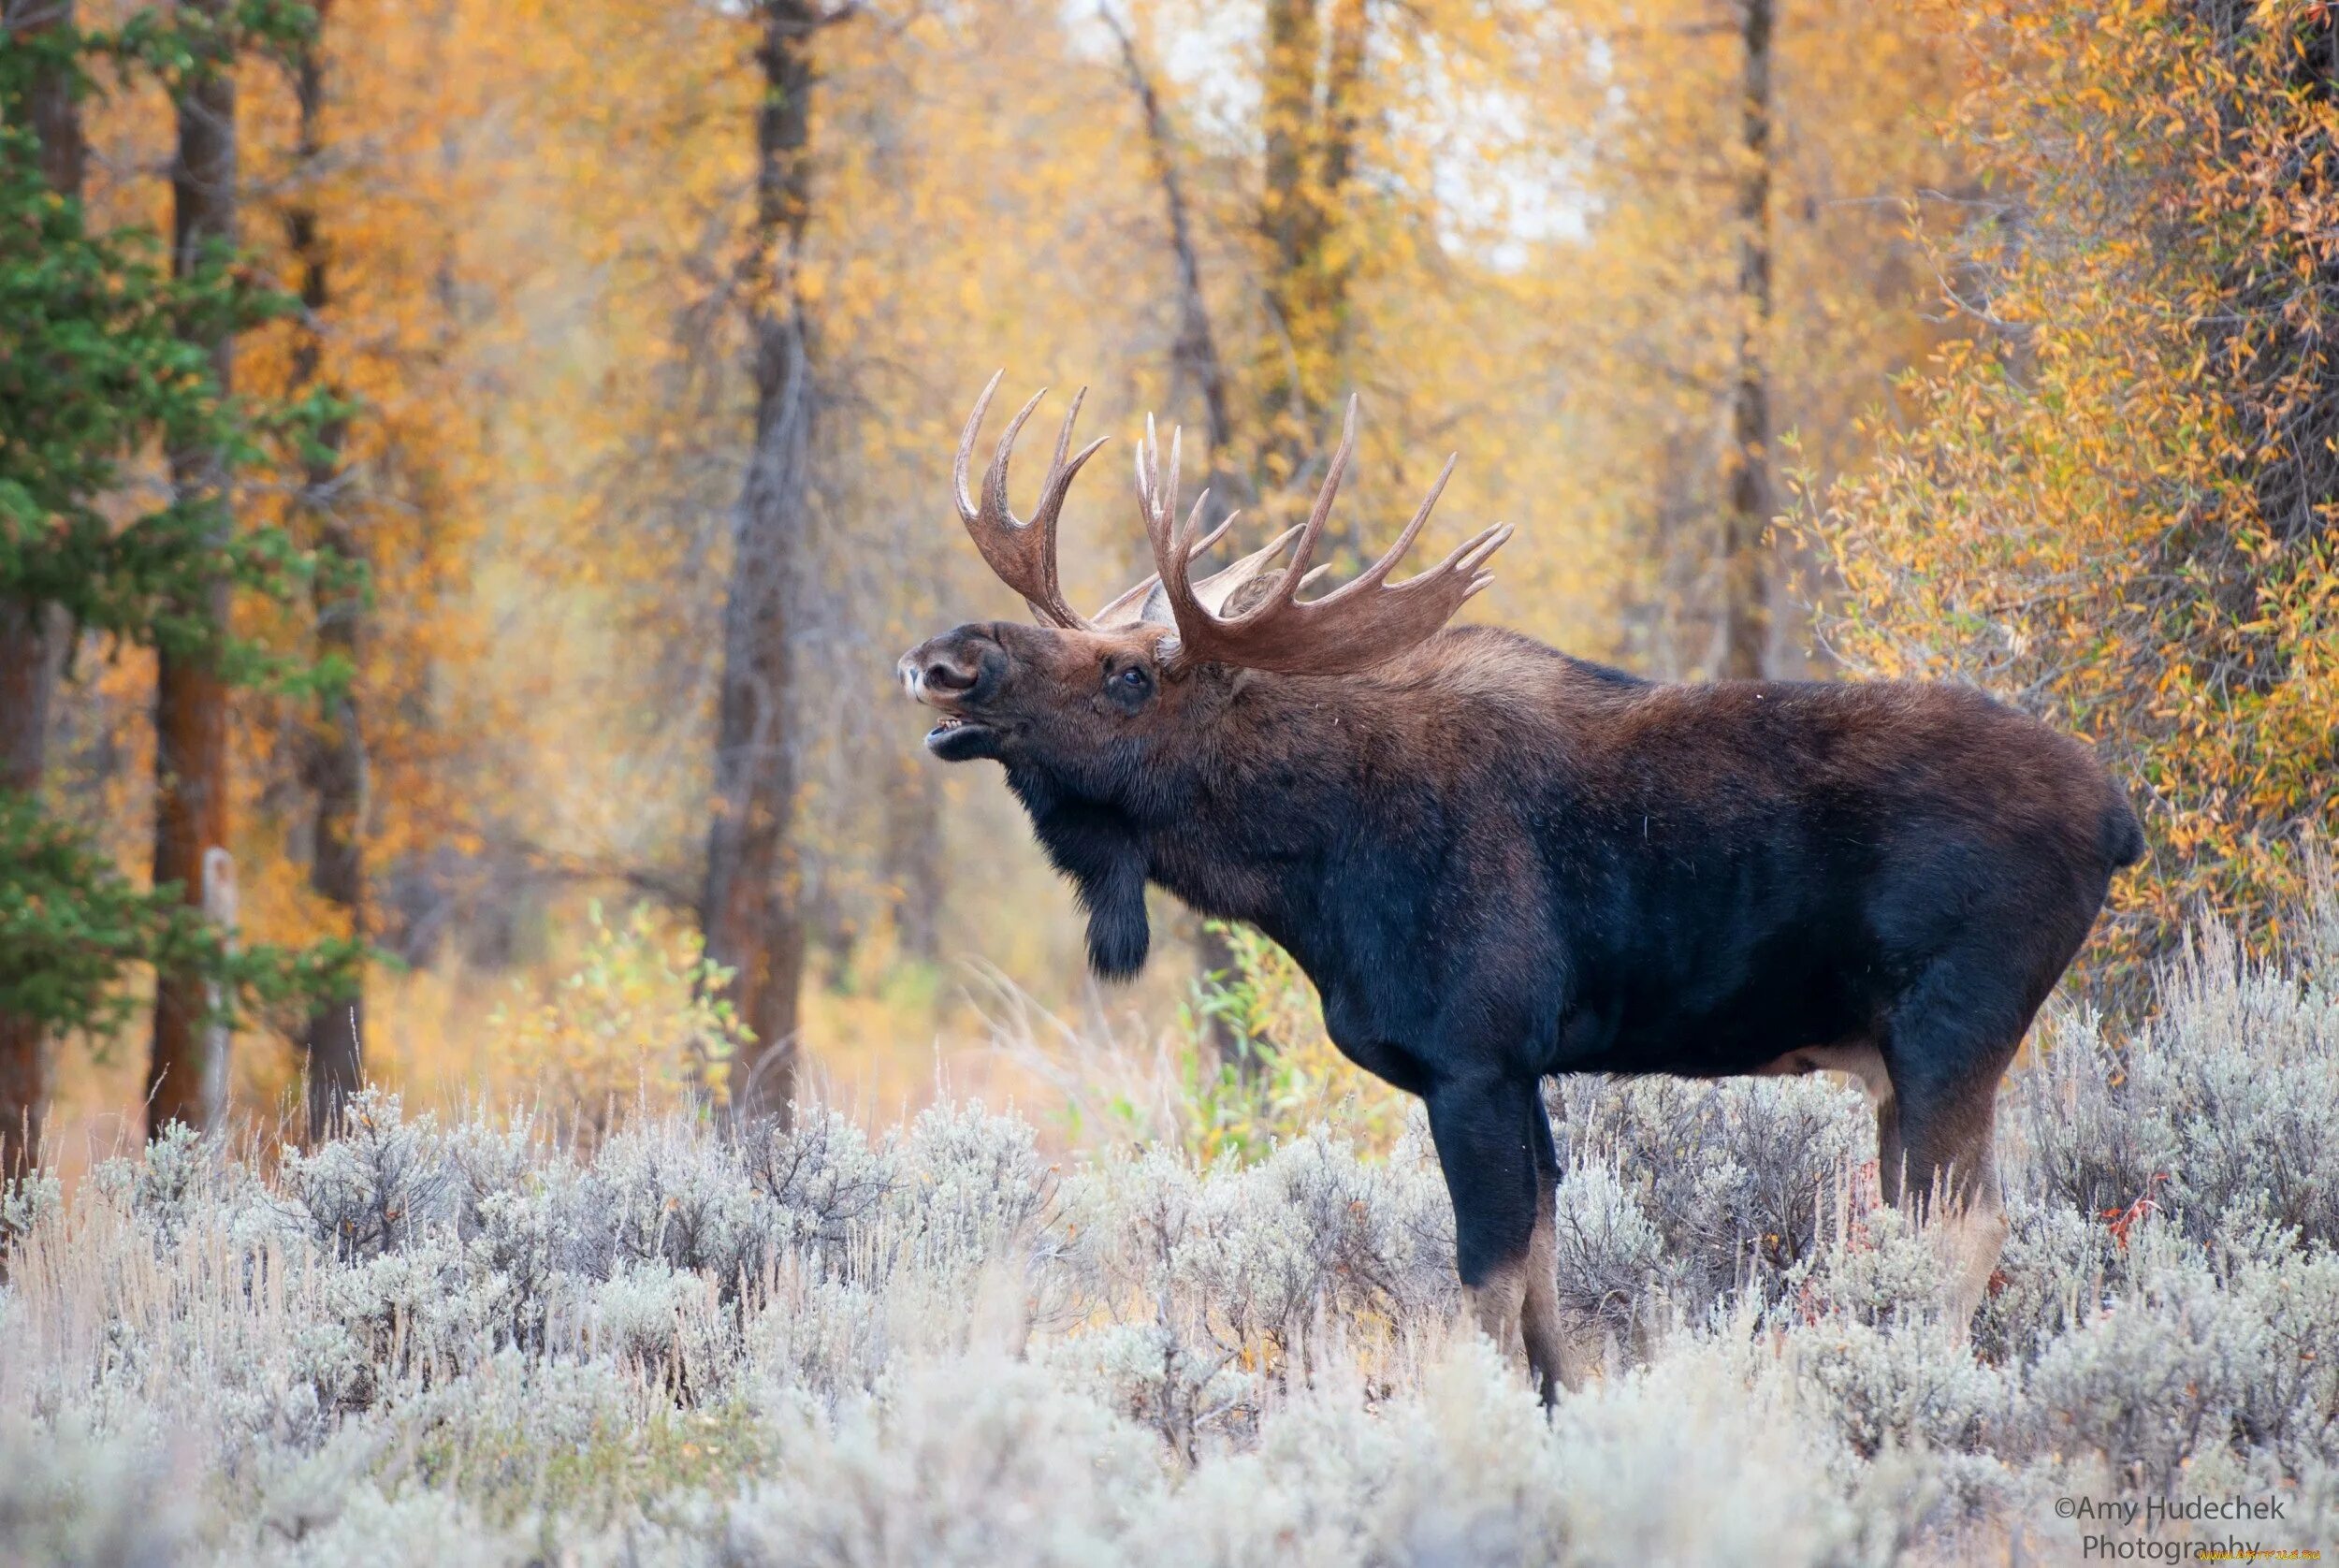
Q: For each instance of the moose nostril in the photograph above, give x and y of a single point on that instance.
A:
(948, 677)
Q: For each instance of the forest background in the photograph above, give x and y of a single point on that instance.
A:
(467, 469)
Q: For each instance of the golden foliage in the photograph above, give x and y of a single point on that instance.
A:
(2116, 501)
(1510, 226)
(1654, 308)
(632, 1029)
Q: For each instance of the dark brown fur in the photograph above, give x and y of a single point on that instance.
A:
(1499, 862)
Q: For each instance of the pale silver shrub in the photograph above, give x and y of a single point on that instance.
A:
(1899, 1385)
(979, 1463)
(975, 1184)
(212, 1330)
(1138, 1248)
(827, 1177)
(1218, 1287)
(2200, 1356)
(518, 1244)
(2219, 1107)
(2145, 1388)
(2093, 1137)
(416, 1526)
(527, 1454)
(815, 1344)
(1308, 1231)
(1123, 1227)
(1177, 1387)
(2290, 1409)
(492, 1432)
(384, 1182)
(855, 1332)
(546, 1402)
(491, 1154)
(1702, 1458)
(1886, 1269)
(1705, 1456)
(378, 1300)
(179, 1176)
(81, 1498)
(2051, 1276)
(819, 1332)
(1611, 1257)
(660, 1190)
(1734, 1175)
(665, 1323)
(25, 1200)
(2245, 1054)
(1459, 1470)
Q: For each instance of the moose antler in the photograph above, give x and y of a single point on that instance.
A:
(1022, 553)
(1352, 628)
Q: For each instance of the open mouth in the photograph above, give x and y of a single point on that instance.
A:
(955, 739)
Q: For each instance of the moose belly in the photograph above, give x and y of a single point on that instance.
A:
(1859, 1058)
(1790, 1015)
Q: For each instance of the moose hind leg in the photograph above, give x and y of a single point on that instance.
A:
(1948, 1051)
(1953, 1181)
(1892, 1160)
(1494, 1145)
(1544, 1326)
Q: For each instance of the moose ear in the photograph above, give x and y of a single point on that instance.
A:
(1156, 610)
(1229, 592)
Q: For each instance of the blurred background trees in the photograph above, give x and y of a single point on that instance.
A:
(598, 369)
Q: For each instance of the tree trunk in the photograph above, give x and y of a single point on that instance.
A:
(1289, 400)
(334, 751)
(752, 913)
(1344, 77)
(1310, 112)
(33, 634)
(1746, 599)
(183, 1082)
(30, 641)
(1194, 361)
(914, 859)
(52, 106)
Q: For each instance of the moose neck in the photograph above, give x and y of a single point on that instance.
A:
(1238, 824)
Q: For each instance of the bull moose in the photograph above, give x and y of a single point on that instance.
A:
(1498, 863)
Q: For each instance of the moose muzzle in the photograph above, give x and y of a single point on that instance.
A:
(946, 674)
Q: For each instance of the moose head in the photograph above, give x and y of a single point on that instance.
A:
(1096, 700)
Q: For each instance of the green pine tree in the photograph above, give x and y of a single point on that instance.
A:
(100, 359)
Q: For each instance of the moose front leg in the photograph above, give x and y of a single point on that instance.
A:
(1495, 1144)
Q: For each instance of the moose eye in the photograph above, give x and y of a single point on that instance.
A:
(1132, 679)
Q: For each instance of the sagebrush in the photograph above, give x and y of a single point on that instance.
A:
(459, 1342)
